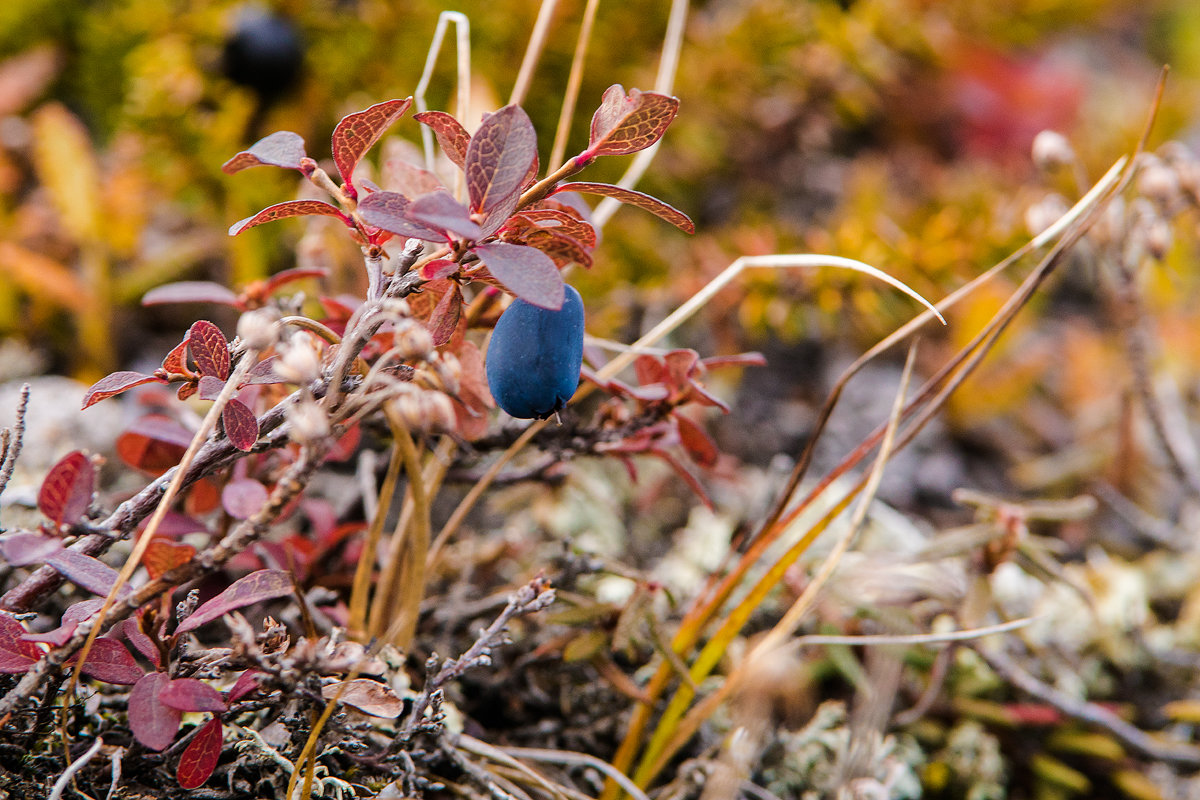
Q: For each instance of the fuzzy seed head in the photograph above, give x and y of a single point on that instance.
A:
(1159, 183)
(258, 329)
(449, 372)
(299, 363)
(413, 341)
(307, 422)
(1051, 150)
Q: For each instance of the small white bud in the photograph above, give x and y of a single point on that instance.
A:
(413, 341)
(1159, 183)
(258, 329)
(299, 363)
(307, 422)
(1051, 150)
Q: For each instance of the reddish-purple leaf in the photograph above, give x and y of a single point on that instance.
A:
(389, 211)
(86, 572)
(524, 271)
(25, 547)
(244, 685)
(280, 149)
(451, 135)
(67, 489)
(200, 757)
(109, 661)
(409, 179)
(163, 555)
(209, 387)
(189, 694)
(286, 276)
(241, 426)
(209, 349)
(495, 219)
(152, 721)
(441, 211)
(499, 156)
(288, 208)
(439, 268)
(643, 201)
(264, 372)
(560, 247)
(562, 222)
(130, 629)
(153, 443)
(255, 587)
(16, 655)
(75, 614)
(444, 319)
(628, 123)
(356, 133)
(115, 383)
(242, 498)
(190, 292)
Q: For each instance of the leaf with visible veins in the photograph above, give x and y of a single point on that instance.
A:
(527, 272)
(280, 149)
(627, 123)
(630, 197)
(499, 157)
(451, 135)
(288, 208)
(356, 133)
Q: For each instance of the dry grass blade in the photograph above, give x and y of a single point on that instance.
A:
(533, 52)
(462, 31)
(574, 80)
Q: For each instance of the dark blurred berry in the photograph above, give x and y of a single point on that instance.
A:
(264, 52)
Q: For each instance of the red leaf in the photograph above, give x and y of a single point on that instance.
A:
(189, 694)
(16, 655)
(499, 156)
(190, 292)
(697, 442)
(242, 498)
(162, 555)
(441, 211)
(141, 642)
(280, 149)
(174, 362)
(286, 276)
(153, 443)
(451, 135)
(562, 222)
(356, 133)
(115, 383)
(628, 123)
(389, 211)
(86, 572)
(109, 661)
(244, 685)
(288, 208)
(439, 268)
(628, 196)
(524, 271)
(241, 426)
(444, 319)
(25, 547)
(200, 757)
(209, 349)
(688, 478)
(208, 388)
(561, 248)
(67, 489)
(153, 722)
(255, 587)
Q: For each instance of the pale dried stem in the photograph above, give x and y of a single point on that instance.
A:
(13, 439)
(533, 52)
(574, 80)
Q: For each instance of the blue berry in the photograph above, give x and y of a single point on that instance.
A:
(534, 357)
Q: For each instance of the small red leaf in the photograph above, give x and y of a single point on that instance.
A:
(190, 292)
(444, 319)
(209, 387)
(451, 135)
(441, 211)
(561, 248)
(280, 149)
(200, 757)
(439, 268)
(153, 443)
(288, 208)
(242, 498)
(255, 587)
(244, 685)
(356, 133)
(189, 694)
(153, 722)
(109, 661)
(562, 222)
(524, 271)
(697, 442)
(209, 349)
(86, 572)
(241, 426)
(499, 156)
(115, 383)
(389, 211)
(628, 196)
(163, 555)
(16, 654)
(286, 276)
(67, 490)
(174, 362)
(627, 123)
(141, 642)
(25, 547)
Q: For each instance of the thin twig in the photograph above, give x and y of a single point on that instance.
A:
(14, 439)
(581, 759)
(533, 52)
(574, 79)
(69, 773)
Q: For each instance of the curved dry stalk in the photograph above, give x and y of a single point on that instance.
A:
(462, 46)
(533, 52)
(361, 586)
(416, 545)
(574, 79)
(577, 759)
